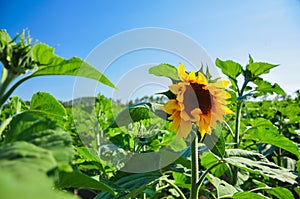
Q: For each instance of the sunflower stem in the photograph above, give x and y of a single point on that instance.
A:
(195, 167)
(237, 124)
(7, 77)
(237, 128)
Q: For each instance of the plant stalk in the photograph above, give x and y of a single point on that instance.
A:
(195, 167)
(202, 177)
(175, 187)
(237, 128)
(237, 124)
(7, 78)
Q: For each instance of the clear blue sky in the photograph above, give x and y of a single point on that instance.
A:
(269, 30)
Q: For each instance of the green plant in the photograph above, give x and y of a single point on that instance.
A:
(230, 166)
(79, 147)
(34, 141)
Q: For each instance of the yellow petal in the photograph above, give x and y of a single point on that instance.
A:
(171, 106)
(196, 114)
(175, 125)
(213, 123)
(227, 95)
(192, 76)
(174, 115)
(175, 88)
(221, 84)
(201, 79)
(228, 111)
(181, 72)
(180, 95)
(201, 129)
(185, 116)
(216, 116)
(184, 129)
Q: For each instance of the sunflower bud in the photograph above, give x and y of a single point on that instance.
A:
(16, 57)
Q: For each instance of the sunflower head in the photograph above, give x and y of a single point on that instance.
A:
(197, 100)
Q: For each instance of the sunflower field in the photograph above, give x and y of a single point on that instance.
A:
(205, 137)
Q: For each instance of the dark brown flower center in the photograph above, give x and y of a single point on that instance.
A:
(195, 96)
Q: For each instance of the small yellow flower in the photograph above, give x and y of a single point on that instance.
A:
(197, 101)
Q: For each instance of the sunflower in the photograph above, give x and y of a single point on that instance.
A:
(197, 101)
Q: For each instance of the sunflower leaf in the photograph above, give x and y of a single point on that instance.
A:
(259, 68)
(229, 68)
(80, 180)
(215, 142)
(208, 159)
(165, 70)
(136, 113)
(50, 64)
(44, 104)
(264, 168)
(280, 192)
(247, 195)
(265, 87)
(263, 131)
(223, 188)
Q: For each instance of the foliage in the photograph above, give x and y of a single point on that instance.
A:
(82, 148)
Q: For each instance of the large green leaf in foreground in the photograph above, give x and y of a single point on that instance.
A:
(38, 126)
(16, 155)
(44, 104)
(23, 169)
(51, 64)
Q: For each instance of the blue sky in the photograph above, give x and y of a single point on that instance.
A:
(269, 30)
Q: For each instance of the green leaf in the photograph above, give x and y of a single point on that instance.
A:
(208, 159)
(215, 142)
(298, 166)
(41, 132)
(23, 172)
(4, 38)
(264, 168)
(246, 154)
(263, 131)
(280, 192)
(137, 112)
(223, 188)
(167, 155)
(132, 184)
(165, 70)
(77, 179)
(46, 105)
(242, 177)
(258, 68)
(247, 195)
(87, 154)
(23, 154)
(51, 64)
(229, 68)
(168, 94)
(264, 87)
(181, 180)
(250, 59)
(297, 191)
(26, 183)
(4, 124)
